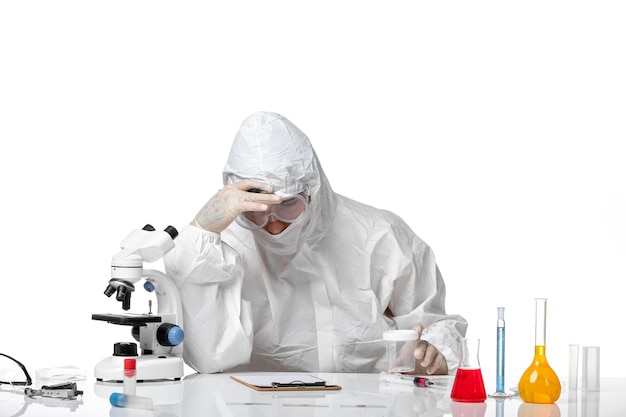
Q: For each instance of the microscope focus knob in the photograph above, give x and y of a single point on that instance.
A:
(169, 334)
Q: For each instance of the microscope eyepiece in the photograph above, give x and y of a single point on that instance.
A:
(171, 230)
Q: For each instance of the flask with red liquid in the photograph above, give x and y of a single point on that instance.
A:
(468, 383)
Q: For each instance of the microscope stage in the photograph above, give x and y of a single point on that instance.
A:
(127, 319)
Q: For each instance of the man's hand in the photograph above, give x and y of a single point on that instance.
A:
(232, 200)
(428, 360)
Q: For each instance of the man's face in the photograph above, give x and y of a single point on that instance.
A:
(277, 217)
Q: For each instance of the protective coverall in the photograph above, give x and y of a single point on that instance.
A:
(316, 297)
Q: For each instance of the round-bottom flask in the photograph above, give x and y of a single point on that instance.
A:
(539, 384)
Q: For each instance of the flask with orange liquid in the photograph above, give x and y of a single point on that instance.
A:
(468, 383)
(539, 384)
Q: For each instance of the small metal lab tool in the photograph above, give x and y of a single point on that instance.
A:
(160, 336)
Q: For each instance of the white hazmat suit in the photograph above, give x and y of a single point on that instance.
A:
(316, 297)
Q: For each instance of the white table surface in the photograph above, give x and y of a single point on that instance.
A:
(361, 395)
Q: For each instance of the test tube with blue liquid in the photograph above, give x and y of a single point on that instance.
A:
(500, 392)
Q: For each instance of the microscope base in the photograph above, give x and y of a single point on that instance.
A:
(149, 368)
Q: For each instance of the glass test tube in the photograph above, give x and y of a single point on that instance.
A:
(117, 399)
(130, 376)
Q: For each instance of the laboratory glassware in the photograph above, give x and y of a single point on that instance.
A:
(500, 393)
(591, 368)
(130, 376)
(539, 384)
(573, 367)
(117, 399)
(468, 383)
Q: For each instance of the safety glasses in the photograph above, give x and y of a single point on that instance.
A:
(18, 368)
(289, 211)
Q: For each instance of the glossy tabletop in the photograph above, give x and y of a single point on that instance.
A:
(361, 395)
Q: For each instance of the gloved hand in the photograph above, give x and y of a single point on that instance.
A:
(232, 200)
(428, 360)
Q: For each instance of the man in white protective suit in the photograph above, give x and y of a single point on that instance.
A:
(279, 273)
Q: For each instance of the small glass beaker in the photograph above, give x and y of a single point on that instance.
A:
(468, 383)
(401, 346)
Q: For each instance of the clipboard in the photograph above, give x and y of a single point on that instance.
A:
(285, 382)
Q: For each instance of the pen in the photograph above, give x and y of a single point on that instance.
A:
(298, 384)
(416, 381)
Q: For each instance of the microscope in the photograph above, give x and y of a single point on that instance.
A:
(160, 336)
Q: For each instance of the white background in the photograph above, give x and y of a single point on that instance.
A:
(494, 129)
